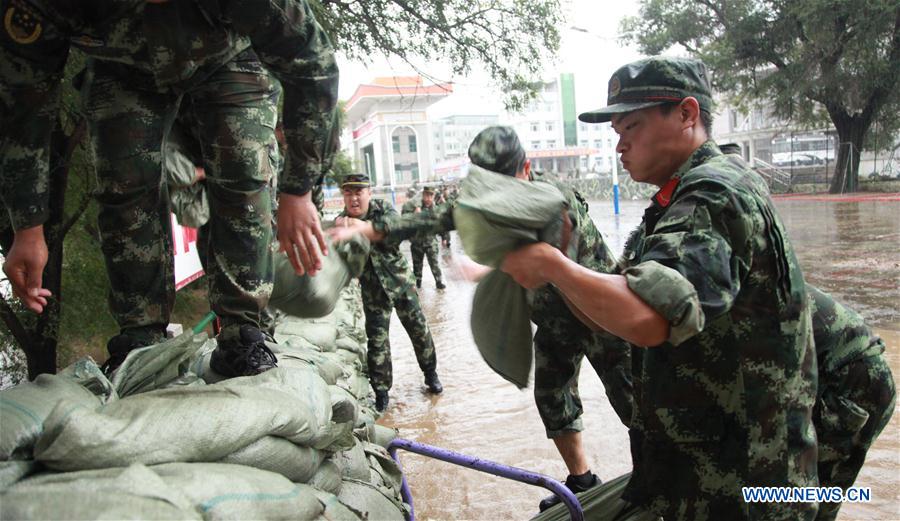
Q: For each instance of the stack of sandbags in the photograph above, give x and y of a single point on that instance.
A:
(168, 438)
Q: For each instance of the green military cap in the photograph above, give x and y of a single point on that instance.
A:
(428, 190)
(355, 181)
(653, 81)
(497, 149)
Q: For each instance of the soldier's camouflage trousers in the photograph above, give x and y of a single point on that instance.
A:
(378, 307)
(428, 249)
(557, 363)
(856, 404)
(236, 117)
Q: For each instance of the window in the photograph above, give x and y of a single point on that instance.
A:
(583, 143)
(395, 140)
(551, 143)
(412, 143)
(535, 145)
(549, 126)
(609, 142)
(584, 161)
(598, 143)
(534, 127)
(582, 127)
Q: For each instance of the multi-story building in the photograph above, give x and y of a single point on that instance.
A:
(388, 130)
(451, 137)
(554, 138)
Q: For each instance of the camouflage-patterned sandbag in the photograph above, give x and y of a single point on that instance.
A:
(24, 408)
(305, 296)
(494, 215)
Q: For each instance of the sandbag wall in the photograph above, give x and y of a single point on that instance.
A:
(167, 438)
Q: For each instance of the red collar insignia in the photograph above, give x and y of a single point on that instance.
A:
(664, 196)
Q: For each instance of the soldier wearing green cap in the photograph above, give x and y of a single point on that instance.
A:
(424, 245)
(711, 297)
(561, 341)
(386, 286)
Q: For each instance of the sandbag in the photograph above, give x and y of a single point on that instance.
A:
(503, 338)
(297, 463)
(24, 408)
(205, 423)
(316, 296)
(318, 333)
(374, 502)
(327, 478)
(161, 365)
(135, 492)
(494, 215)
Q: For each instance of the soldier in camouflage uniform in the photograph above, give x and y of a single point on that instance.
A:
(856, 393)
(562, 341)
(425, 244)
(725, 387)
(386, 286)
(214, 65)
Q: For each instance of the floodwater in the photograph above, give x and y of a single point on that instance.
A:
(851, 249)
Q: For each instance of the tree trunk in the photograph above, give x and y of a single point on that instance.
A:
(852, 131)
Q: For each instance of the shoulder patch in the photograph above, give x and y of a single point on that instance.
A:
(22, 23)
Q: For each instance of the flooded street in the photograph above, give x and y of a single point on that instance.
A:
(851, 249)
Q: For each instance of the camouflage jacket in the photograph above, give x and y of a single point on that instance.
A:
(726, 401)
(426, 237)
(387, 267)
(137, 39)
(841, 335)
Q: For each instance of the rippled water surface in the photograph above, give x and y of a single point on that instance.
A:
(851, 249)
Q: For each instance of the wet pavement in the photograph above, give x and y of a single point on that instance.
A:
(848, 248)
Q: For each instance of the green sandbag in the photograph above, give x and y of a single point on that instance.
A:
(24, 408)
(496, 214)
(335, 510)
(135, 492)
(13, 471)
(327, 478)
(297, 463)
(601, 503)
(222, 491)
(373, 501)
(177, 424)
(503, 338)
(384, 470)
(319, 334)
(161, 365)
(305, 296)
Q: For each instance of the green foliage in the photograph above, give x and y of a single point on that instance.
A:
(802, 55)
(510, 39)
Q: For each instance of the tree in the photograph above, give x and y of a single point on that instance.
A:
(804, 56)
(511, 38)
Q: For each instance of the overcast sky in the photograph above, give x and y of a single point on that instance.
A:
(592, 56)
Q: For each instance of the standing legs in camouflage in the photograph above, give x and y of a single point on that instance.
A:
(558, 353)
(429, 250)
(235, 117)
(378, 308)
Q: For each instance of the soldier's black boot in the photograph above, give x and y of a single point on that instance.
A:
(242, 353)
(127, 341)
(440, 285)
(381, 400)
(419, 283)
(433, 383)
(576, 484)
